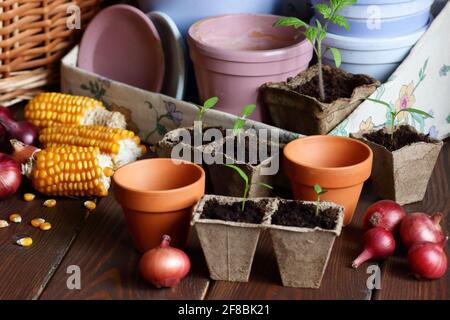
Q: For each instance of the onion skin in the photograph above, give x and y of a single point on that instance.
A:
(418, 227)
(427, 260)
(378, 244)
(5, 114)
(386, 214)
(164, 266)
(10, 176)
(22, 152)
(23, 131)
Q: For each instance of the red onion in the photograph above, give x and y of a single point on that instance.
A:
(427, 260)
(386, 214)
(22, 131)
(10, 176)
(22, 152)
(378, 244)
(164, 266)
(418, 227)
(5, 114)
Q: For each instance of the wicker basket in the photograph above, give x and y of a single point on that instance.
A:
(33, 37)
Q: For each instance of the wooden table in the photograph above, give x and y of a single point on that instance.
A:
(100, 245)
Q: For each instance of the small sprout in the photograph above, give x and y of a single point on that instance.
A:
(240, 122)
(318, 32)
(395, 113)
(37, 222)
(246, 181)
(208, 104)
(25, 242)
(28, 197)
(15, 218)
(45, 226)
(90, 205)
(319, 191)
(3, 224)
(50, 203)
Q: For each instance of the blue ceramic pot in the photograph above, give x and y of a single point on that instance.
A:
(382, 18)
(375, 57)
(186, 12)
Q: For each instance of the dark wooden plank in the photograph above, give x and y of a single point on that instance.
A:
(24, 272)
(397, 283)
(109, 264)
(339, 282)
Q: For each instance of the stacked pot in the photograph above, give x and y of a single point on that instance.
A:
(381, 34)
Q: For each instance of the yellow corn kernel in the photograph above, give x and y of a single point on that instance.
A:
(108, 171)
(45, 226)
(28, 197)
(15, 217)
(25, 242)
(37, 222)
(3, 224)
(50, 203)
(90, 205)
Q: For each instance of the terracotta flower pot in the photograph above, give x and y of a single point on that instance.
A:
(228, 246)
(402, 175)
(297, 112)
(339, 164)
(302, 252)
(157, 197)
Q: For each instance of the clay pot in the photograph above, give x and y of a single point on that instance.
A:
(157, 197)
(339, 164)
(304, 114)
(402, 175)
(228, 246)
(302, 253)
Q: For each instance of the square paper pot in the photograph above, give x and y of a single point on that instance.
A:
(227, 182)
(302, 253)
(300, 113)
(228, 247)
(402, 175)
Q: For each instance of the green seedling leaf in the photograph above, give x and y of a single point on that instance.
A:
(290, 22)
(210, 103)
(323, 9)
(238, 125)
(341, 21)
(318, 190)
(417, 111)
(240, 122)
(245, 178)
(311, 34)
(265, 185)
(336, 56)
(248, 110)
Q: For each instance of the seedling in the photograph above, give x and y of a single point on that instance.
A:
(244, 177)
(395, 113)
(208, 104)
(240, 122)
(316, 34)
(319, 191)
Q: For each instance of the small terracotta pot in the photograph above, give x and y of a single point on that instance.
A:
(339, 164)
(157, 197)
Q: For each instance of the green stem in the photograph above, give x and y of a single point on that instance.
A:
(319, 60)
(317, 205)
(245, 196)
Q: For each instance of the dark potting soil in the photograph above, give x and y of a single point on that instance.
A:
(253, 212)
(403, 136)
(295, 214)
(336, 86)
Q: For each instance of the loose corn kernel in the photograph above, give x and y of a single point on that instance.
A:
(3, 224)
(15, 217)
(108, 171)
(50, 203)
(90, 205)
(45, 226)
(37, 222)
(28, 197)
(25, 242)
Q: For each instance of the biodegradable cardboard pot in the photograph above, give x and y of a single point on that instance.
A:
(402, 175)
(304, 114)
(339, 164)
(228, 246)
(302, 253)
(227, 182)
(157, 197)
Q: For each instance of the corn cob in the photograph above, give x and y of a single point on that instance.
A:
(122, 145)
(70, 171)
(49, 109)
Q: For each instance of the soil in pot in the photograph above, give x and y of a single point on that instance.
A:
(297, 214)
(336, 86)
(403, 136)
(253, 212)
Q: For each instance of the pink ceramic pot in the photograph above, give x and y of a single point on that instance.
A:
(234, 55)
